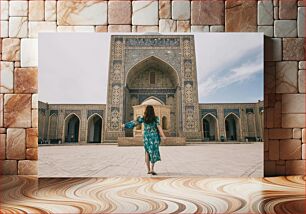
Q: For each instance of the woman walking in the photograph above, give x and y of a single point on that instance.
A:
(151, 136)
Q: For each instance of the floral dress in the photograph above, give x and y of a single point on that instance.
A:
(151, 137)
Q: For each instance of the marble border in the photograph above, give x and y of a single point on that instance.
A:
(282, 22)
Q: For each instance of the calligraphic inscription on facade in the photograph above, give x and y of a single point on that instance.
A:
(153, 42)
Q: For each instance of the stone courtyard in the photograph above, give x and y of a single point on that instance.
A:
(216, 160)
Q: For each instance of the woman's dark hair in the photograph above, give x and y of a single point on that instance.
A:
(149, 115)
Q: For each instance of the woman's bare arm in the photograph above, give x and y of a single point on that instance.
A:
(162, 134)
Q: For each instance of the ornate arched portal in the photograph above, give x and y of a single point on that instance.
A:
(152, 77)
(162, 66)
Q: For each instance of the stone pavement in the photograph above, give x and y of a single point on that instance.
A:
(217, 160)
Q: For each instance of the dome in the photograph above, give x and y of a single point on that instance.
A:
(152, 102)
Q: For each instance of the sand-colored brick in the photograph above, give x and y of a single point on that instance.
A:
(290, 149)
(280, 133)
(15, 145)
(31, 138)
(27, 167)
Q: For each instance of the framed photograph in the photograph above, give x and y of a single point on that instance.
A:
(205, 92)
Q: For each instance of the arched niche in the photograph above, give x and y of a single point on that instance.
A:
(232, 127)
(72, 128)
(94, 129)
(210, 127)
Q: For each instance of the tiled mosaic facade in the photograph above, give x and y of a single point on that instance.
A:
(139, 57)
(71, 123)
(242, 122)
(282, 21)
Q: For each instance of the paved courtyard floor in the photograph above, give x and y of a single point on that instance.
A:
(217, 160)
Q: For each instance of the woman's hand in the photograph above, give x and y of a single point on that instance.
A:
(123, 125)
(164, 138)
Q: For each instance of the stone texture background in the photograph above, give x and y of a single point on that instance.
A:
(282, 22)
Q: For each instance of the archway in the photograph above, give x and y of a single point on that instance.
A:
(94, 132)
(52, 128)
(150, 65)
(72, 128)
(206, 130)
(210, 128)
(153, 81)
(232, 127)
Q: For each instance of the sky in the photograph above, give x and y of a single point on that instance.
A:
(229, 67)
(73, 67)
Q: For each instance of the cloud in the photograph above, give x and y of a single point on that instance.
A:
(237, 74)
(214, 51)
(226, 60)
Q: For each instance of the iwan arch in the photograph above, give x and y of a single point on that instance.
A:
(153, 81)
(158, 70)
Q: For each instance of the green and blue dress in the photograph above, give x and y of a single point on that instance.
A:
(151, 137)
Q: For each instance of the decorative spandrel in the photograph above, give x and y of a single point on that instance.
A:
(54, 112)
(76, 112)
(91, 112)
(228, 111)
(204, 112)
